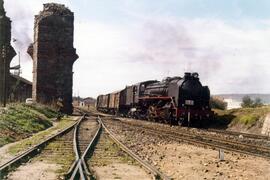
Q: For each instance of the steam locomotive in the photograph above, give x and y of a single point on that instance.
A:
(174, 100)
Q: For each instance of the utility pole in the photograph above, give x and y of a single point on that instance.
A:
(19, 53)
(5, 76)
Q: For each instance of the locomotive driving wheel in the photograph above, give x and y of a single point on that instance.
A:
(180, 122)
(151, 113)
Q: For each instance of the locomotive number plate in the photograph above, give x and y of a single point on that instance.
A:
(189, 102)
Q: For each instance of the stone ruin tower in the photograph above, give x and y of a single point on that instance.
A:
(53, 56)
(6, 52)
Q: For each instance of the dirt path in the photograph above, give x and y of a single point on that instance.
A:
(182, 161)
(36, 170)
(4, 153)
(120, 171)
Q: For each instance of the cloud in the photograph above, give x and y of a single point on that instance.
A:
(230, 57)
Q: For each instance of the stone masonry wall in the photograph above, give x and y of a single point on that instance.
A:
(6, 52)
(53, 55)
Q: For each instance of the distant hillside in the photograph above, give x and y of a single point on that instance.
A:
(238, 97)
(234, 100)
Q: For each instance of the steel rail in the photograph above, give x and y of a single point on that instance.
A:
(6, 167)
(226, 132)
(218, 146)
(228, 142)
(233, 133)
(76, 151)
(79, 166)
(205, 137)
(157, 174)
(208, 141)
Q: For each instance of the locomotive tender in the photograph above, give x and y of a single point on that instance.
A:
(174, 100)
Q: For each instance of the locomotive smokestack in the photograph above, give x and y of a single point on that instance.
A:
(187, 75)
(2, 10)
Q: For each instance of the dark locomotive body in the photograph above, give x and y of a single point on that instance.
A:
(174, 100)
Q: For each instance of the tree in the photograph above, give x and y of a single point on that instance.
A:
(218, 103)
(247, 102)
(258, 102)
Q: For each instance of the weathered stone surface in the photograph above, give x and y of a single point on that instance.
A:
(53, 55)
(19, 89)
(6, 52)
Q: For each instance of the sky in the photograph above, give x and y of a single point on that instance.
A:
(121, 42)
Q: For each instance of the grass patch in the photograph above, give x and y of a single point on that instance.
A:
(19, 121)
(49, 112)
(249, 119)
(60, 153)
(244, 116)
(107, 151)
(37, 138)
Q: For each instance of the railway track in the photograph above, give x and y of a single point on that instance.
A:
(205, 140)
(209, 130)
(32, 152)
(83, 142)
(237, 134)
(78, 141)
(259, 140)
(80, 169)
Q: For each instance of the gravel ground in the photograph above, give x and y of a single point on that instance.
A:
(182, 161)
